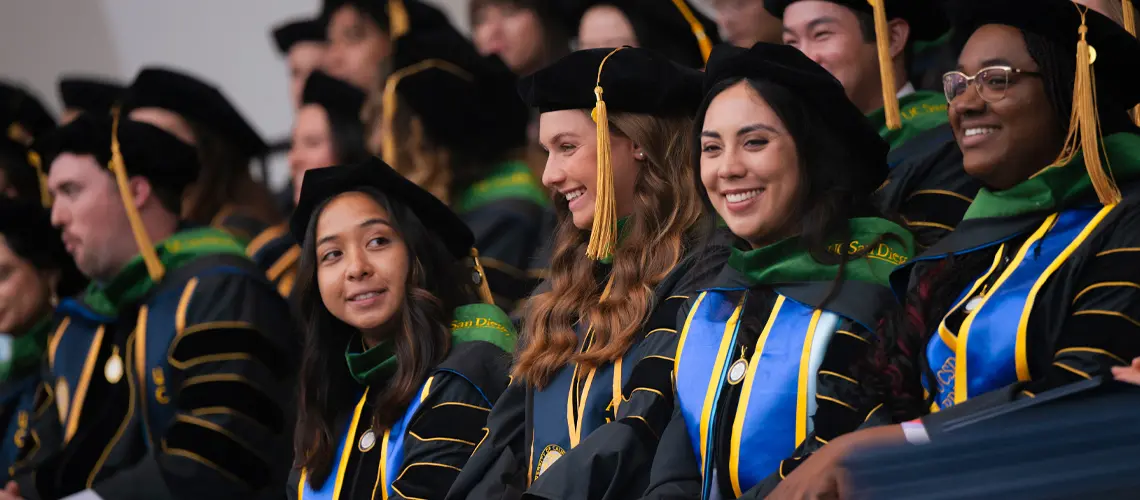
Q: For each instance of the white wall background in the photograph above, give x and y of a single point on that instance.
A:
(226, 42)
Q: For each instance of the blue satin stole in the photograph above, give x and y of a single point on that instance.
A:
(989, 350)
(773, 414)
(391, 453)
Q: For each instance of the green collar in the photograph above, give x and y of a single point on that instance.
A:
(26, 351)
(1056, 188)
(512, 179)
(370, 366)
(133, 282)
(787, 261)
(920, 111)
(470, 323)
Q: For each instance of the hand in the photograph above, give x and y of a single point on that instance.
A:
(11, 492)
(822, 475)
(1130, 374)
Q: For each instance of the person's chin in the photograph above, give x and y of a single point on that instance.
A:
(980, 165)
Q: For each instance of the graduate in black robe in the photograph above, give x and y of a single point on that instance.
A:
(35, 271)
(1035, 289)
(326, 131)
(171, 376)
(400, 368)
(592, 386)
(224, 195)
(765, 364)
(453, 123)
(927, 185)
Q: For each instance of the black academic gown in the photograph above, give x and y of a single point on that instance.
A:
(184, 395)
(277, 254)
(1058, 303)
(746, 426)
(17, 398)
(1077, 441)
(421, 455)
(508, 234)
(531, 451)
(927, 185)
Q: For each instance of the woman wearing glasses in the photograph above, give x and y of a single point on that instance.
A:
(1038, 287)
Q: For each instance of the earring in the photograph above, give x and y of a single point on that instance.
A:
(640, 155)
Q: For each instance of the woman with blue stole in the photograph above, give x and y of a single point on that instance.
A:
(400, 367)
(35, 270)
(592, 389)
(765, 366)
(1037, 288)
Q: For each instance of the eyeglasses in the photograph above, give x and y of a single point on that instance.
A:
(991, 83)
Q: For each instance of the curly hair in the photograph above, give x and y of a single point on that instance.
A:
(659, 233)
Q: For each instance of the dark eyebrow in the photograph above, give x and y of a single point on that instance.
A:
(710, 134)
(748, 129)
(988, 63)
(370, 222)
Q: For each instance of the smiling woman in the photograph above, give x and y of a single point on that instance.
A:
(1037, 288)
(790, 164)
(391, 397)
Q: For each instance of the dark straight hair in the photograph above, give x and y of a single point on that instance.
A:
(435, 287)
(828, 195)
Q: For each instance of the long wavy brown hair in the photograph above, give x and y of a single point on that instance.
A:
(657, 235)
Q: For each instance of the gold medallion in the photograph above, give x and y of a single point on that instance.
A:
(113, 370)
(736, 371)
(549, 455)
(367, 441)
(62, 398)
(738, 368)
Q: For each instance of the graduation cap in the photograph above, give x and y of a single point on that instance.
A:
(322, 184)
(298, 31)
(89, 94)
(24, 118)
(128, 148)
(196, 101)
(396, 17)
(465, 101)
(787, 67)
(626, 79)
(1106, 65)
(676, 29)
(336, 96)
(927, 21)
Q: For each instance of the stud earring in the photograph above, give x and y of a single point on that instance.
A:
(640, 156)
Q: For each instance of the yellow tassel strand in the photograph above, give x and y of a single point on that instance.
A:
(388, 103)
(1084, 127)
(603, 234)
(886, 65)
(37, 163)
(698, 30)
(1130, 25)
(398, 23)
(118, 168)
(482, 288)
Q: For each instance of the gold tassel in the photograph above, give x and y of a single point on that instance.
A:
(603, 234)
(482, 288)
(698, 30)
(388, 103)
(886, 65)
(37, 163)
(398, 23)
(1084, 127)
(119, 169)
(1130, 25)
